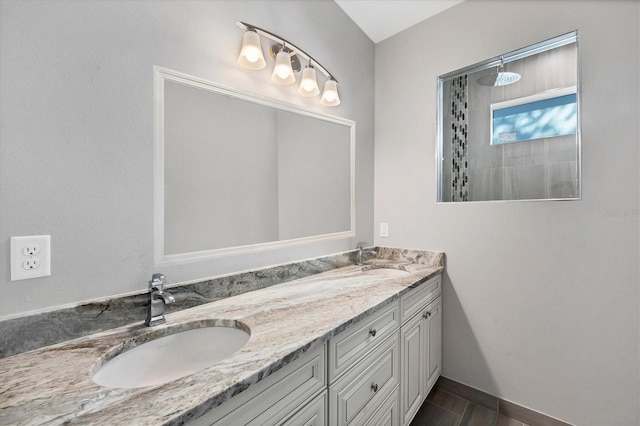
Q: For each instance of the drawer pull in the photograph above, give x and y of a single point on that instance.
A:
(426, 314)
(374, 388)
(372, 332)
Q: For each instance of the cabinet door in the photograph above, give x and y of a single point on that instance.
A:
(434, 342)
(413, 361)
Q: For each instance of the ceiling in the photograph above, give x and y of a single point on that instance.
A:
(380, 19)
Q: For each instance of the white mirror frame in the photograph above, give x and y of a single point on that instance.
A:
(160, 75)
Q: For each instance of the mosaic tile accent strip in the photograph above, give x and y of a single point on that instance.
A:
(459, 139)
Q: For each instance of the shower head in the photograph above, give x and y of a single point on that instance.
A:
(500, 77)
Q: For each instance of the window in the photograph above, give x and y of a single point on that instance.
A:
(509, 127)
(545, 115)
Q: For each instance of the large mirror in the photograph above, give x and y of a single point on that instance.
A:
(508, 127)
(235, 172)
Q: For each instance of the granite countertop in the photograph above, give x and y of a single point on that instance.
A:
(52, 385)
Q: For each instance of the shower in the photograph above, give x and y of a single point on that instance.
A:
(500, 77)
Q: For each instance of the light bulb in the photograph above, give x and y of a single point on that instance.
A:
(283, 73)
(309, 84)
(330, 95)
(251, 54)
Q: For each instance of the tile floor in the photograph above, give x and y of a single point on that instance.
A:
(444, 409)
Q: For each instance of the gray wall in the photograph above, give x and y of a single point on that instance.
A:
(76, 129)
(541, 303)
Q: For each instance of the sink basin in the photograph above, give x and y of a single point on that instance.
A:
(385, 272)
(179, 352)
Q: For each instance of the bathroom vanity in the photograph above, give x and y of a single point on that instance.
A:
(353, 345)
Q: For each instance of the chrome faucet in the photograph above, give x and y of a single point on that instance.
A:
(362, 251)
(157, 299)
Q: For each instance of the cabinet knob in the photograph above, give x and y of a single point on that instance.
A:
(374, 387)
(427, 314)
(372, 332)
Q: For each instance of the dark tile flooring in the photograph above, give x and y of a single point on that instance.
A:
(444, 409)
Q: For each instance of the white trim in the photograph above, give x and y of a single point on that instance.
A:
(160, 75)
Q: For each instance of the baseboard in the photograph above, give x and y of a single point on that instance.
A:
(467, 392)
(499, 405)
(526, 415)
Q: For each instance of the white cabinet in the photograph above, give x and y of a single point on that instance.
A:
(377, 372)
(348, 347)
(292, 395)
(388, 414)
(364, 371)
(414, 366)
(434, 342)
(356, 397)
(312, 414)
(420, 346)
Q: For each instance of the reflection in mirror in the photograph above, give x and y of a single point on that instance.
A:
(508, 128)
(236, 173)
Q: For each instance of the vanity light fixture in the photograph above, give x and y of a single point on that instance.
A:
(251, 56)
(287, 64)
(330, 93)
(309, 82)
(283, 71)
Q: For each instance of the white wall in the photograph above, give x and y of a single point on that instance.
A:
(541, 303)
(76, 128)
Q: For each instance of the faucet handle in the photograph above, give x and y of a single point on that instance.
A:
(157, 281)
(361, 245)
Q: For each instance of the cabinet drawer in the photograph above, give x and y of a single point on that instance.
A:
(357, 395)
(312, 414)
(274, 399)
(349, 346)
(414, 301)
(388, 413)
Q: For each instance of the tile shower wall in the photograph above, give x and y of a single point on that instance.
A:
(534, 169)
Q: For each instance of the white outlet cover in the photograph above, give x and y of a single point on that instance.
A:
(20, 247)
(384, 229)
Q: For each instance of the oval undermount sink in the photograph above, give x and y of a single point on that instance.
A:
(179, 352)
(385, 272)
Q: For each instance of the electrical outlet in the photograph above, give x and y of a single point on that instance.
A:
(30, 257)
(384, 229)
(31, 250)
(31, 264)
